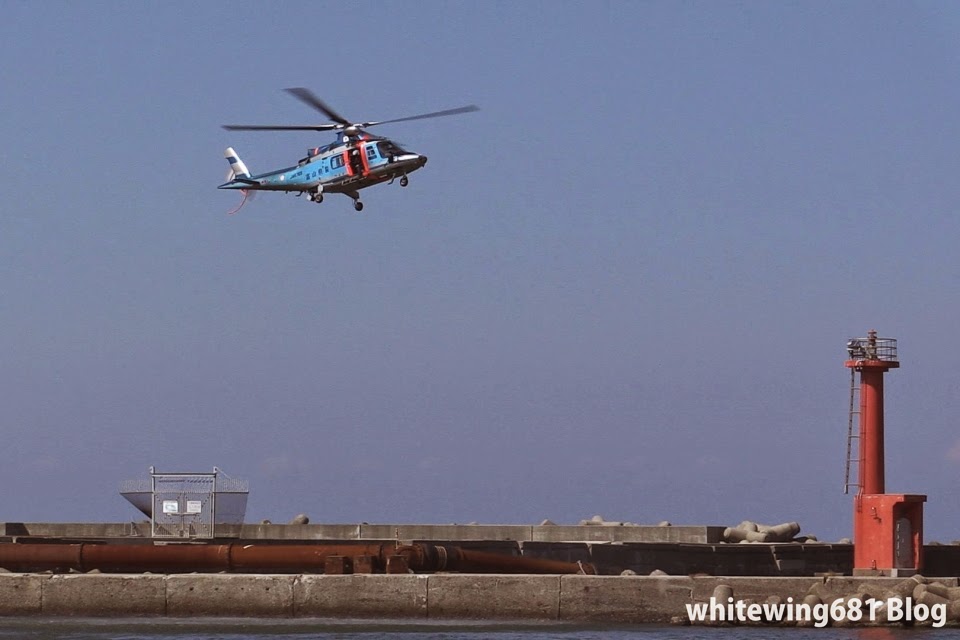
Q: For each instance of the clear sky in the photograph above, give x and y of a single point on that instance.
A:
(621, 288)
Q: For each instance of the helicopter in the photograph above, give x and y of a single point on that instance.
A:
(355, 161)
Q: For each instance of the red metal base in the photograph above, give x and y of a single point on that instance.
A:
(888, 533)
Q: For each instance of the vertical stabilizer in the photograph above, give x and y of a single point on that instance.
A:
(236, 164)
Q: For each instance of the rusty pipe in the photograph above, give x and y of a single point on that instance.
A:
(138, 558)
(262, 558)
(296, 558)
(470, 561)
(425, 557)
(174, 558)
(40, 557)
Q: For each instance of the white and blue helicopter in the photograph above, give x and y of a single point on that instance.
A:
(355, 161)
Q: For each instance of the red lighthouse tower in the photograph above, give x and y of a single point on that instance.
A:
(887, 527)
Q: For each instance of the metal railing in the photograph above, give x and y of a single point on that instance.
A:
(224, 484)
(872, 348)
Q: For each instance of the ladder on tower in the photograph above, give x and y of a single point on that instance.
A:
(853, 434)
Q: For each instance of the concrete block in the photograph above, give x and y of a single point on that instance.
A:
(361, 596)
(570, 533)
(222, 531)
(452, 532)
(222, 594)
(604, 599)
(808, 559)
(612, 559)
(625, 599)
(938, 560)
(21, 593)
(72, 529)
(563, 551)
(501, 597)
(397, 565)
(756, 588)
(337, 565)
(628, 533)
(380, 532)
(14, 529)
(837, 586)
(104, 595)
(363, 564)
(300, 532)
(684, 559)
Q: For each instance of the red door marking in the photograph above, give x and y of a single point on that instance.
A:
(363, 158)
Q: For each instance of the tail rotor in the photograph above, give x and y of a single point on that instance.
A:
(238, 170)
(247, 195)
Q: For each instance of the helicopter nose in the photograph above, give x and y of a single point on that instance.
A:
(423, 160)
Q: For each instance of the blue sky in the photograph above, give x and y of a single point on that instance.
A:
(621, 288)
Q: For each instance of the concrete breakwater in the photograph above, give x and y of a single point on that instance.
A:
(677, 550)
(573, 598)
(454, 532)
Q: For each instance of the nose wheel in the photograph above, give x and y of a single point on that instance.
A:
(404, 181)
(358, 205)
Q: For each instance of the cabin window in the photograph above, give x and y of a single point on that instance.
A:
(371, 152)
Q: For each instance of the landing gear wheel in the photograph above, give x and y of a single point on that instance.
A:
(358, 205)
(404, 181)
(318, 198)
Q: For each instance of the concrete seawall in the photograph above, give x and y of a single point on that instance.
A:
(453, 532)
(594, 599)
(676, 550)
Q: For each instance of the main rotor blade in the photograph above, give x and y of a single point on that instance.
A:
(281, 127)
(306, 96)
(423, 116)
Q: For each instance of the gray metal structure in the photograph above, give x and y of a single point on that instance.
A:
(184, 504)
(188, 505)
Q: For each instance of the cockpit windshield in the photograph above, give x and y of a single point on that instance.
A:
(388, 149)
